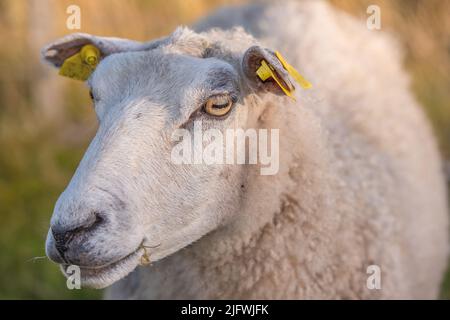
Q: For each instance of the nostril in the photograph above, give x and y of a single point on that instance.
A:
(98, 219)
(63, 236)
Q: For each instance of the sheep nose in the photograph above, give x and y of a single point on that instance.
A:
(64, 235)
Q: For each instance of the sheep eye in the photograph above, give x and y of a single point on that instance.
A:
(91, 95)
(218, 105)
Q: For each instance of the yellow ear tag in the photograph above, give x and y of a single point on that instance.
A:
(293, 72)
(266, 71)
(81, 65)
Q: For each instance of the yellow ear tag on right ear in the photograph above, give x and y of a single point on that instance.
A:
(81, 65)
(265, 72)
(293, 72)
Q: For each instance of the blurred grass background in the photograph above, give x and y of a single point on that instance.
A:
(46, 122)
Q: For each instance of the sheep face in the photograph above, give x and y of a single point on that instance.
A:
(130, 201)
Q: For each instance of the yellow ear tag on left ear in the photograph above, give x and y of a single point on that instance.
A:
(266, 71)
(81, 65)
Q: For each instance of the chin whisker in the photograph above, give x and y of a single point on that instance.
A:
(34, 259)
(145, 258)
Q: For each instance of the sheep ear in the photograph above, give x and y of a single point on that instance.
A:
(269, 71)
(57, 52)
(255, 58)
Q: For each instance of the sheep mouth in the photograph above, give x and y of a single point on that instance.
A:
(104, 276)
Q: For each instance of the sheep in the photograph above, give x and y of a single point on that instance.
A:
(359, 192)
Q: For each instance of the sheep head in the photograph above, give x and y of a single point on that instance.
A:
(134, 197)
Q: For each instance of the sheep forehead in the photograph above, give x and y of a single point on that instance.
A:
(165, 78)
